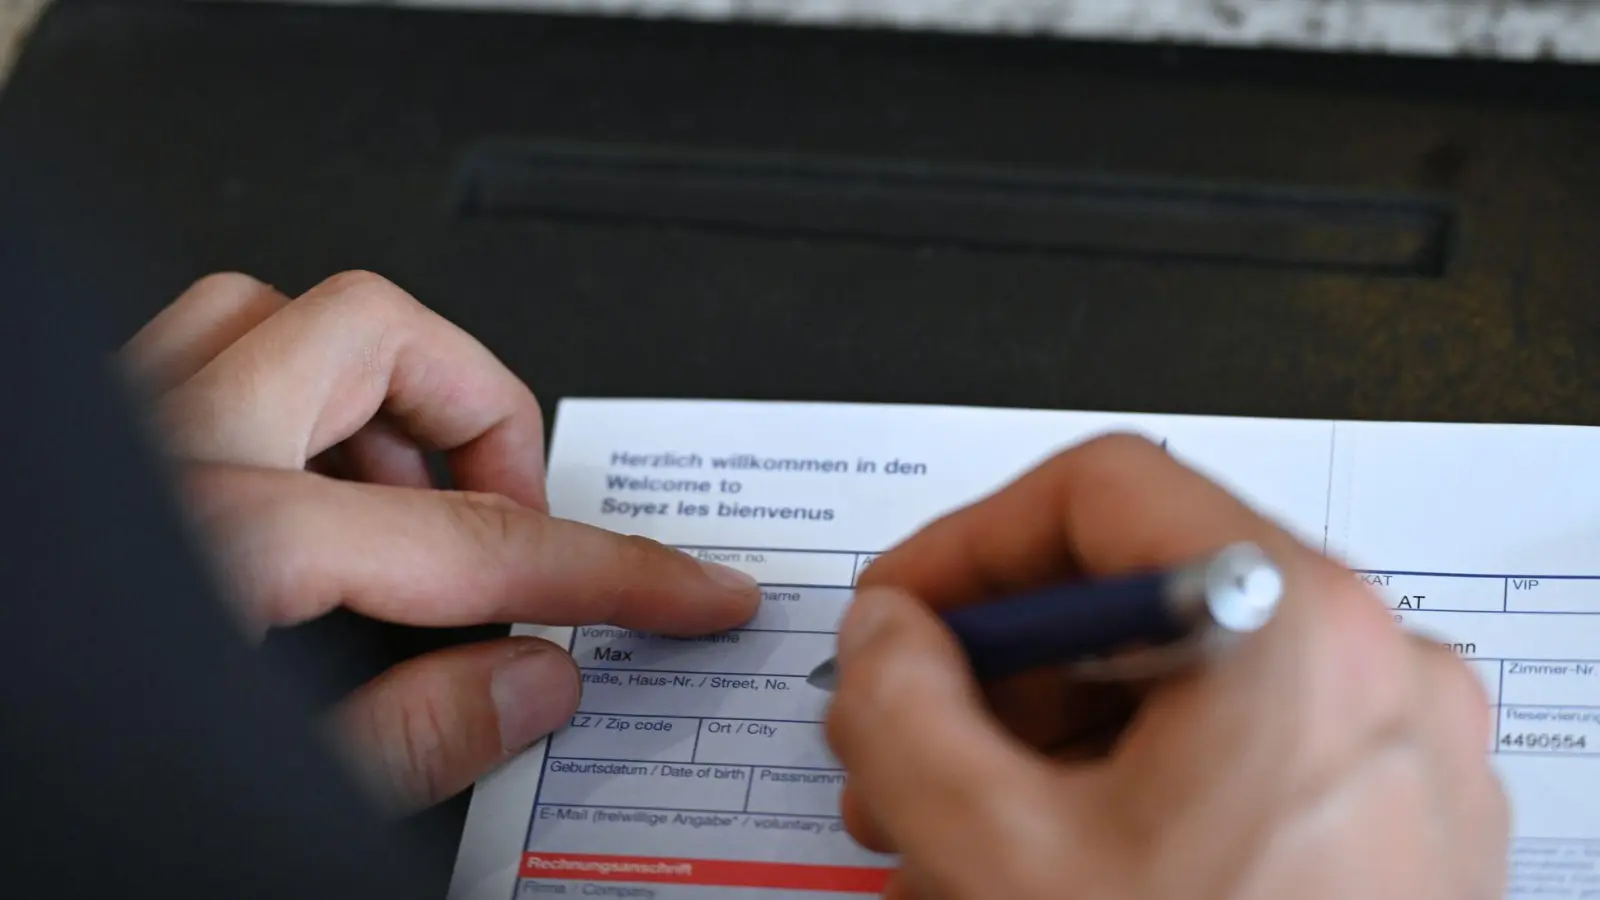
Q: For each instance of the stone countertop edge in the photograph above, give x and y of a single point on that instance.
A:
(1563, 30)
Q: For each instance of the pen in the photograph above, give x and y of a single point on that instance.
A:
(1138, 626)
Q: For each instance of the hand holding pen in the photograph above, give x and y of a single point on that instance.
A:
(1133, 627)
(1324, 754)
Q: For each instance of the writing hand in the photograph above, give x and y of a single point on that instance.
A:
(1332, 757)
(300, 428)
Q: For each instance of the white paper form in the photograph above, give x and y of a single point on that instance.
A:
(698, 769)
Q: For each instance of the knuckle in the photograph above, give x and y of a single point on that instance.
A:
(638, 551)
(636, 556)
(1117, 444)
(369, 305)
(360, 283)
(415, 736)
(226, 282)
(1114, 451)
(496, 535)
(493, 525)
(370, 295)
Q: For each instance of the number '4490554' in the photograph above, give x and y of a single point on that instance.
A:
(1539, 741)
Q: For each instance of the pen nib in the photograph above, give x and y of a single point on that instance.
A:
(824, 676)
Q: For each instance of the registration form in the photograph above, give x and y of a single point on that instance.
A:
(697, 768)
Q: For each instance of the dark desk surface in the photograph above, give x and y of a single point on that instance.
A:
(696, 210)
(177, 138)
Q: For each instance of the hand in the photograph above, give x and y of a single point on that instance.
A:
(1332, 757)
(300, 428)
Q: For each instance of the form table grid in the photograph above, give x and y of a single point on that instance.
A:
(736, 734)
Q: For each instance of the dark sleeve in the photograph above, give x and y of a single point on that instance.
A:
(144, 750)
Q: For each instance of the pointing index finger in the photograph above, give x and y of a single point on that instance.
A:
(299, 545)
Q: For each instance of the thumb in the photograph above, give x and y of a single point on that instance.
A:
(937, 777)
(431, 726)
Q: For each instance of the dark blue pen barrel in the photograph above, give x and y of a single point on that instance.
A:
(1054, 626)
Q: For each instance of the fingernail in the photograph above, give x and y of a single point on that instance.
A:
(867, 616)
(534, 692)
(727, 576)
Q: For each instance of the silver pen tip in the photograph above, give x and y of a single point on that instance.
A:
(824, 676)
